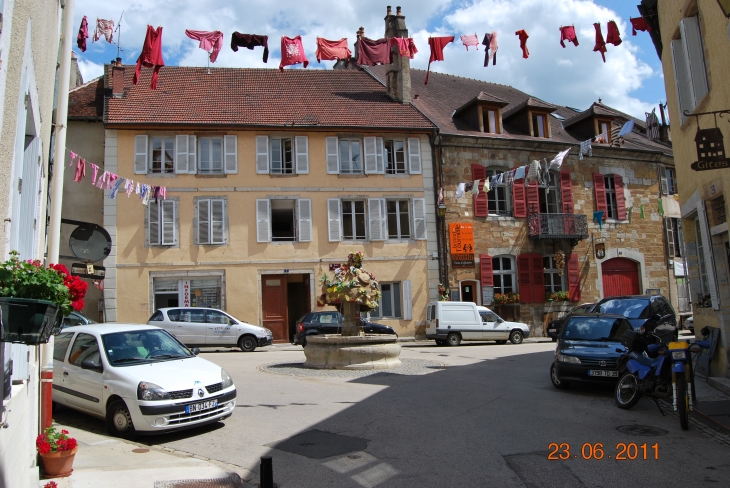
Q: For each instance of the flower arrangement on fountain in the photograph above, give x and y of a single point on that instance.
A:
(351, 283)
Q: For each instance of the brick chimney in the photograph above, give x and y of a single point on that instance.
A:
(398, 74)
(117, 78)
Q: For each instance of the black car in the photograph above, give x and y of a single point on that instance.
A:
(589, 349)
(555, 326)
(651, 311)
(316, 323)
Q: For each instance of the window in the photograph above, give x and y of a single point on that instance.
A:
(60, 345)
(672, 230)
(717, 211)
(374, 156)
(611, 208)
(690, 72)
(505, 274)
(185, 154)
(282, 160)
(350, 156)
(610, 198)
(162, 224)
(353, 220)
(398, 219)
(284, 220)
(667, 180)
(387, 219)
(498, 197)
(162, 152)
(390, 302)
(549, 194)
(210, 155)
(157, 317)
(187, 292)
(553, 280)
(603, 128)
(704, 284)
(282, 155)
(211, 221)
(540, 125)
(216, 317)
(85, 347)
(395, 157)
(490, 120)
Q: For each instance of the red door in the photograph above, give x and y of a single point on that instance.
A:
(620, 277)
(274, 306)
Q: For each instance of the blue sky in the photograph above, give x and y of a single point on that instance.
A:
(631, 79)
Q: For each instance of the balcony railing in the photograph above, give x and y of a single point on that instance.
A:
(557, 226)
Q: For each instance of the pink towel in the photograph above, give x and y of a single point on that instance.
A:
(470, 40)
(210, 42)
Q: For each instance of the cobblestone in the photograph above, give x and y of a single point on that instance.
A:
(409, 367)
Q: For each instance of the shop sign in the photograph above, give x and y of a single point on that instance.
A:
(600, 250)
(462, 245)
(710, 150)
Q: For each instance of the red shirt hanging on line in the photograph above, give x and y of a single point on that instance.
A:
(292, 52)
(83, 35)
(437, 45)
(600, 43)
(523, 43)
(210, 42)
(151, 56)
(371, 52)
(567, 33)
(613, 36)
(332, 50)
(406, 46)
(638, 23)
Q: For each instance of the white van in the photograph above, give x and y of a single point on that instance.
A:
(449, 323)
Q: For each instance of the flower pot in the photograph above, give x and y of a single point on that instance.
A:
(28, 321)
(58, 464)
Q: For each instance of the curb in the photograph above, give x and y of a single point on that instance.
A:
(721, 384)
(710, 422)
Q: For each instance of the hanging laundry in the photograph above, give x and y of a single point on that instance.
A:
(660, 207)
(96, 171)
(332, 50)
(475, 188)
(292, 52)
(601, 138)
(523, 43)
(586, 147)
(460, 190)
(468, 186)
(104, 28)
(83, 35)
(151, 56)
(567, 33)
(129, 187)
(557, 161)
(629, 211)
(627, 128)
(652, 125)
(437, 45)
(80, 171)
(600, 43)
(533, 172)
(73, 156)
(638, 23)
(163, 192)
(146, 195)
(520, 172)
(613, 36)
(615, 139)
(509, 178)
(137, 189)
(470, 40)
(598, 217)
(406, 46)
(115, 188)
(210, 42)
(486, 187)
(371, 52)
(641, 210)
(490, 54)
(250, 41)
(103, 180)
(110, 181)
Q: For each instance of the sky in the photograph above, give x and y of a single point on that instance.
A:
(631, 80)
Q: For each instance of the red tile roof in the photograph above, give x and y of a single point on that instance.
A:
(260, 98)
(86, 101)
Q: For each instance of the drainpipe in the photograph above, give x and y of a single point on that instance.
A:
(445, 261)
(436, 186)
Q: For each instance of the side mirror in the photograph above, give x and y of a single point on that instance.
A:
(91, 364)
(195, 351)
(232, 322)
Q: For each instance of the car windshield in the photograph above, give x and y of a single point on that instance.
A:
(595, 329)
(631, 308)
(142, 346)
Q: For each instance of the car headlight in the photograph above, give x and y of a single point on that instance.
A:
(678, 355)
(150, 391)
(226, 380)
(562, 358)
(268, 332)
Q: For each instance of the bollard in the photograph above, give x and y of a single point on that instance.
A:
(267, 473)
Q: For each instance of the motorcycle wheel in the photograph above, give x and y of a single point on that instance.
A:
(682, 401)
(627, 392)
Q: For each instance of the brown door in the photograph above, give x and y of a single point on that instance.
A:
(274, 306)
(620, 277)
(469, 291)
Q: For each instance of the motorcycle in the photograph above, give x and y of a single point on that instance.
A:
(656, 367)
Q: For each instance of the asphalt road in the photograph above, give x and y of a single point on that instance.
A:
(477, 415)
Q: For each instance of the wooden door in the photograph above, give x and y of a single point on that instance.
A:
(275, 316)
(469, 291)
(620, 277)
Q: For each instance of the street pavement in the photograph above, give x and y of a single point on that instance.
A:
(474, 415)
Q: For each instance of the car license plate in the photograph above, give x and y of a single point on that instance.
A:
(199, 407)
(599, 372)
(551, 330)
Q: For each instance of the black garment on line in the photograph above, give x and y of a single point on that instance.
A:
(250, 41)
(488, 40)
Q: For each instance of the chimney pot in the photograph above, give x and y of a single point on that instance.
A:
(118, 80)
(397, 11)
(389, 10)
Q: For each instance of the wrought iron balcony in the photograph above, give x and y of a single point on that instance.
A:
(557, 226)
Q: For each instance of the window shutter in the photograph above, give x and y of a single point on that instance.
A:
(217, 222)
(519, 205)
(263, 227)
(618, 183)
(407, 300)
(525, 277)
(169, 232)
(140, 155)
(262, 157)
(380, 158)
(333, 156)
(663, 184)
(533, 198)
(599, 188)
(181, 154)
(669, 237)
(203, 222)
(419, 219)
(230, 151)
(154, 223)
(370, 145)
(304, 214)
(414, 155)
(681, 79)
(192, 152)
(334, 228)
(481, 208)
(302, 143)
(376, 216)
(709, 258)
(694, 53)
(485, 270)
(573, 278)
(566, 191)
(538, 279)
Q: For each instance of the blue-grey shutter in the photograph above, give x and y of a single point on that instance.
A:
(304, 215)
(140, 154)
(263, 225)
(333, 156)
(230, 154)
(302, 154)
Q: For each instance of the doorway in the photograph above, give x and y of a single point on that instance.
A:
(285, 297)
(620, 277)
(469, 291)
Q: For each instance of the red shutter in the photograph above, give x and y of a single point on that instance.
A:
(574, 278)
(533, 198)
(566, 191)
(538, 279)
(479, 172)
(600, 191)
(485, 270)
(519, 205)
(525, 277)
(618, 183)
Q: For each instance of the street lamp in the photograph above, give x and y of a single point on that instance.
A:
(725, 6)
(441, 210)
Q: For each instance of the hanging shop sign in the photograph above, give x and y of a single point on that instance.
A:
(462, 245)
(710, 150)
(600, 250)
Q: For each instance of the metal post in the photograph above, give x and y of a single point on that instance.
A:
(266, 469)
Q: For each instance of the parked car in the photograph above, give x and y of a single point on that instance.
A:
(208, 327)
(449, 323)
(643, 311)
(316, 323)
(139, 378)
(74, 319)
(689, 323)
(555, 326)
(589, 348)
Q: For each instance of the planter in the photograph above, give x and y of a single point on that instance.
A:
(58, 464)
(28, 321)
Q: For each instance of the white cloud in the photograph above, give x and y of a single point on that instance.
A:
(90, 70)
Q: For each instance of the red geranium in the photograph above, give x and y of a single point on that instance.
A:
(51, 441)
(76, 286)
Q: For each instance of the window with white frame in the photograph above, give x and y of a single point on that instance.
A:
(498, 198)
(162, 223)
(353, 220)
(667, 180)
(702, 264)
(505, 274)
(284, 220)
(389, 305)
(399, 219)
(350, 156)
(690, 71)
(554, 281)
(395, 157)
(376, 219)
(282, 155)
(185, 154)
(211, 215)
(210, 155)
(611, 204)
(162, 155)
(374, 156)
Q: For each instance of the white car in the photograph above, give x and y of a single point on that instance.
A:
(208, 327)
(139, 378)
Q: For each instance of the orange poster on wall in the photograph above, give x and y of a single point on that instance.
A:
(461, 245)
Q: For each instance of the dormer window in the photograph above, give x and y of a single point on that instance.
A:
(603, 127)
(540, 125)
(490, 120)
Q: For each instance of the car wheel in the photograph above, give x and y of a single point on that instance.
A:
(501, 342)
(627, 391)
(557, 382)
(516, 337)
(119, 420)
(453, 339)
(247, 343)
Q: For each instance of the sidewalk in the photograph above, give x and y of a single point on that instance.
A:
(713, 402)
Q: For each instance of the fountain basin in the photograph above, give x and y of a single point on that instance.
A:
(334, 351)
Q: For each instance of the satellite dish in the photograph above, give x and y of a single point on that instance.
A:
(90, 242)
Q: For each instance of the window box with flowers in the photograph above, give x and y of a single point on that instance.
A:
(559, 296)
(57, 451)
(507, 305)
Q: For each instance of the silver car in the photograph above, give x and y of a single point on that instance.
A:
(208, 327)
